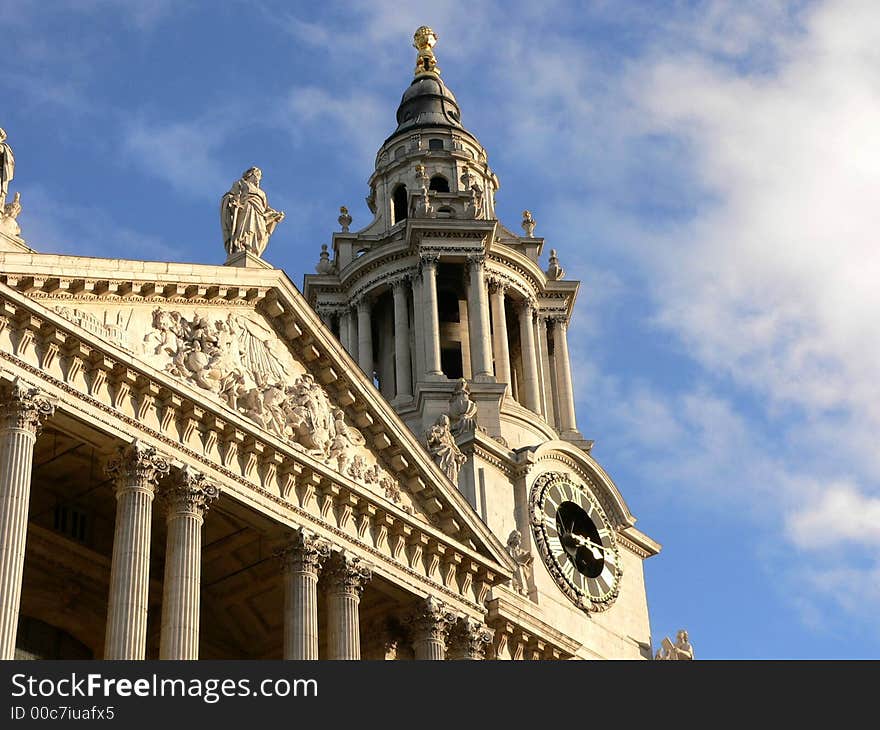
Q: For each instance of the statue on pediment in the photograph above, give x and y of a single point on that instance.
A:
(523, 559)
(681, 650)
(246, 219)
(7, 168)
(462, 410)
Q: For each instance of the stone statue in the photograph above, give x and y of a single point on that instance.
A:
(442, 446)
(7, 168)
(554, 271)
(528, 224)
(681, 650)
(8, 215)
(523, 560)
(246, 219)
(462, 410)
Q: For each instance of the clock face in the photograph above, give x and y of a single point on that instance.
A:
(576, 541)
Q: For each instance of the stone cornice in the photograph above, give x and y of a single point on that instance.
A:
(517, 618)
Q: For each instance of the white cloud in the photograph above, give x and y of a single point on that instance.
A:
(840, 513)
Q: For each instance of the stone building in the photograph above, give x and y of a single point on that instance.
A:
(203, 461)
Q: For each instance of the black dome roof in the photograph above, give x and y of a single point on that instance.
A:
(427, 103)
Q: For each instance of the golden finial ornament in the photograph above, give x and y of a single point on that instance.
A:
(424, 40)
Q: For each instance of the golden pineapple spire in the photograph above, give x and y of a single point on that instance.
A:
(424, 40)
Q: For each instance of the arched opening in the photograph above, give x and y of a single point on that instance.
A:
(439, 183)
(399, 204)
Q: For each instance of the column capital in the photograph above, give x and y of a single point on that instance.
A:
(428, 259)
(469, 639)
(347, 574)
(362, 304)
(400, 283)
(527, 306)
(305, 552)
(137, 465)
(498, 286)
(431, 620)
(24, 406)
(188, 492)
(477, 260)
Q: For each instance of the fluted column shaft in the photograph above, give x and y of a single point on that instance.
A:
(343, 329)
(501, 341)
(22, 411)
(402, 362)
(529, 389)
(432, 316)
(352, 333)
(565, 391)
(135, 472)
(365, 337)
(301, 563)
(546, 388)
(478, 319)
(346, 578)
(187, 498)
(430, 626)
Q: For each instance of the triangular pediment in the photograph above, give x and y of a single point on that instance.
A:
(246, 341)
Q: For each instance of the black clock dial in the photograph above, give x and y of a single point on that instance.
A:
(575, 540)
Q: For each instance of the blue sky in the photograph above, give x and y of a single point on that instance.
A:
(709, 170)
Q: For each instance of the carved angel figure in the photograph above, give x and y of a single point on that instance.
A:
(246, 219)
(523, 560)
(442, 446)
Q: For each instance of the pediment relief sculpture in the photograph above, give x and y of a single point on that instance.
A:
(241, 362)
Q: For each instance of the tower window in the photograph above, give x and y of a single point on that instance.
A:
(435, 144)
(399, 204)
(439, 183)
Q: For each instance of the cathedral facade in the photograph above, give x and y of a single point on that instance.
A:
(205, 461)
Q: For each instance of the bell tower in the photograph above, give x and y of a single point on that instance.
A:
(464, 330)
(435, 289)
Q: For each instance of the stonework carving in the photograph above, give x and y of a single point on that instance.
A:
(431, 620)
(424, 207)
(304, 553)
(137, 465)
(528, 224)
(188, 492)
(246, 219)
(324, 265)
(238, 360)
(554, 271)
(7, 167)
(462, 410)
(681, 650)
(469, 639)
(442, 446)
(115, 332)
(523, 559)
(23, 406)
(9, 217)
(347, 574)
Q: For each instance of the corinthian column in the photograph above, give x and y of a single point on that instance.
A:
(187, 497)
(346, 576)
(23, 409)
(365, 338)
(430, 624)
(469, 639)
(343, 329)
(301, 562)
(478, 318)
(432, 315)
(529, 390)
(546, 384)
(565, 392)
(501, 342)
(402, 362)
(135, 472)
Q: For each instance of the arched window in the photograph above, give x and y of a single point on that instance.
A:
(399, 204)
(439, 183)
(435, 144)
